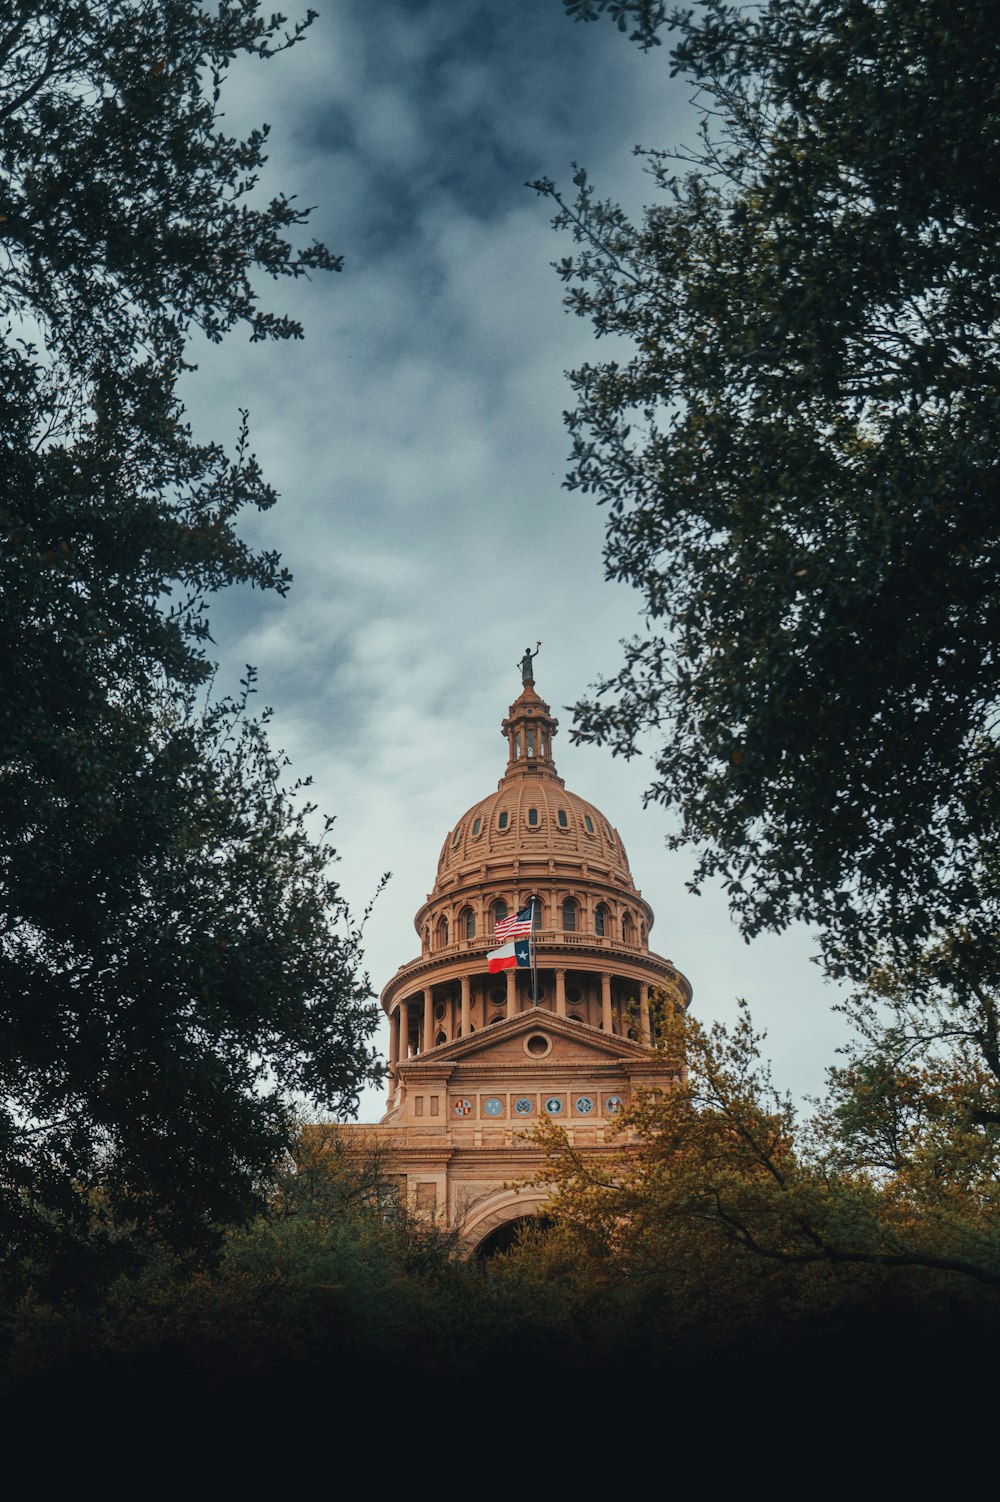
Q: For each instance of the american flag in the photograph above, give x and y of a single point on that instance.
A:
(517, 926)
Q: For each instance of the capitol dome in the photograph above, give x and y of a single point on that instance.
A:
(532, 811)
(530, 840)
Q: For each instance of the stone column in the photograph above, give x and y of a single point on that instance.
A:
(428, 1038)
(606, 1003)
(560, 993)
(404, 1032)
(393, 1043)
(511, 992)
(645, 1031)
(466, 1006)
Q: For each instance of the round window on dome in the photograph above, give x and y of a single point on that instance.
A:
(502, 821)
(588, 823)
(477, 825)
(455, 836)
(533, 816)
(563, 819)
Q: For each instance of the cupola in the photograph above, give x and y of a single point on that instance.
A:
(529, 728)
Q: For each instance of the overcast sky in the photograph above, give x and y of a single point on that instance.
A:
(416, 438)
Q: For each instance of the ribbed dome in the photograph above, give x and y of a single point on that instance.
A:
(532, 812)
(563, 823)
(531, 842)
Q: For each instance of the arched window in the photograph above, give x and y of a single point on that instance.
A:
(569, 915)
(601, 920)
(467, 923)
(442, 932)
(536, 913)
(499, 911)
(626, 928)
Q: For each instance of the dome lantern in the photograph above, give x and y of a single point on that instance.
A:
(529, 728)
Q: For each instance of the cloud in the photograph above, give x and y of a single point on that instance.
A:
(417, 442)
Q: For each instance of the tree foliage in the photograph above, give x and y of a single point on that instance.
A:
(798, 452)
(174, 954)
(717, 1180)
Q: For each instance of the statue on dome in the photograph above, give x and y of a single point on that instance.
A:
(527, 671)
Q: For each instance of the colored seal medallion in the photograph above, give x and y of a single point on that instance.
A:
(493, 1105)
(463, 1108)
(523, 1106)
(553, 1105)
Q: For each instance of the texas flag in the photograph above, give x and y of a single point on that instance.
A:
(508, 955)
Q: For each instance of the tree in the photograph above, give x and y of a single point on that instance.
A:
(798, 452)
(717, 1181)
(175, 957)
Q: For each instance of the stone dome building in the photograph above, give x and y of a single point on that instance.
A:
(475, 1059)
(531, 838)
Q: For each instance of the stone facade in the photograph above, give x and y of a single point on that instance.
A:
(476, 1059)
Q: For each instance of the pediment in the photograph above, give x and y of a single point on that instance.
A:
(504, 1043)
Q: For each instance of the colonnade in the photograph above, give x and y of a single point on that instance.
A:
(421, 1004)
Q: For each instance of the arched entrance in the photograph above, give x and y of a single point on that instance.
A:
(493, 1213)
(507, 1234)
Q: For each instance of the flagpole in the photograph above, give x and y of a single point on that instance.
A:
(534, 971)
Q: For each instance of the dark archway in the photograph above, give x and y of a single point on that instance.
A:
(507, 1235)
